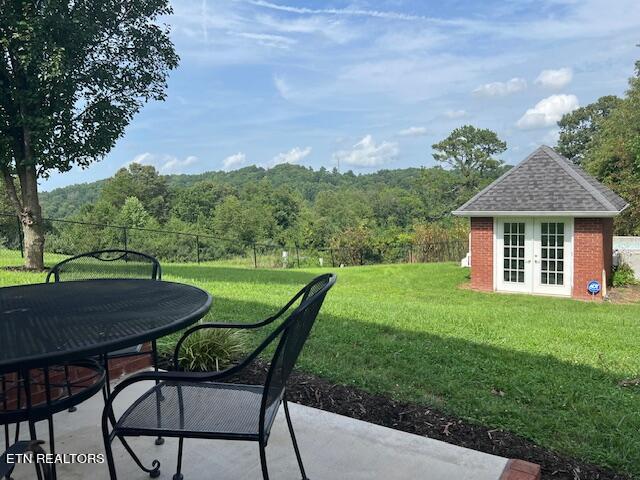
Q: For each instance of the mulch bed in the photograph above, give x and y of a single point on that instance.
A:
(625, 295)
(422, 420)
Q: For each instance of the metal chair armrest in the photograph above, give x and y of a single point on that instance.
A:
(107, 413)
(239, 326)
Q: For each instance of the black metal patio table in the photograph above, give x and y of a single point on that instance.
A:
(42, 325)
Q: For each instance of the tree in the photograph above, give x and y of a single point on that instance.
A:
(142, 182)
(614, 155)
(200, 200)
(578, 128)
(133, 214)
(72, 75)
(240, 221)
(470, 151)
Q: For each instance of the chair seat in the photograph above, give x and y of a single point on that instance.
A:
(126, 352)
(198, 409)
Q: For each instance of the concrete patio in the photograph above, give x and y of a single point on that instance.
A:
(332, 446)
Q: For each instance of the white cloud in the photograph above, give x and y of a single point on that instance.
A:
(366, 153)
(234, 161)
(548, 111)
(555, 79)
(355, 12)
(413, 132)
(455, 114)
(267, 39)
(500, 89)
(292, 156)
(282, 86)
(551, 137)
(164, 163)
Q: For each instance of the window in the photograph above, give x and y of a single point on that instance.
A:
(513, 267)
(552, 252)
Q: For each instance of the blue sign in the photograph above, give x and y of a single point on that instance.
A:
(593, 287)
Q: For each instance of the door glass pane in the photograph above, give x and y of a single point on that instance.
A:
(513, 267)
(552, 247)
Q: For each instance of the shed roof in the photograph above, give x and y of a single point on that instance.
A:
(545, 183)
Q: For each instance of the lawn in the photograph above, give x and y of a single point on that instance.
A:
(545, 368)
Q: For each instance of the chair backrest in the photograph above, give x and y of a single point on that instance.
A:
(293, 337)
(106, 264)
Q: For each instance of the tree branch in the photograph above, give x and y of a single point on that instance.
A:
(11, 191)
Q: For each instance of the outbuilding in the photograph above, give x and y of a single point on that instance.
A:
(544, 227)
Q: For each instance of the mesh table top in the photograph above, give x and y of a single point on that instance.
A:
(45, 324)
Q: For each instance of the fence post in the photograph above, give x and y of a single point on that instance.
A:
(255, 256)
(20, 239)
(125, 239)
(410, 253)
(198, 248)
(333, 263)
(297, 255)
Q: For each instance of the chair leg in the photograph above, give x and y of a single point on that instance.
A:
(263, 461)
(33, 436)
(109, 454)
(293, 439)
(159, 398)
(154, 471)
(178, 475)
(68, 385)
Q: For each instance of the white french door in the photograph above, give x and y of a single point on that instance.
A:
(534, 255)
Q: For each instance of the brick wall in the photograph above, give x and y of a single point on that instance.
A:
(592, 247)
(482, 253)
(77, 375)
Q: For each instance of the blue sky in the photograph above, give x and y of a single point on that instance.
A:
(370, 84)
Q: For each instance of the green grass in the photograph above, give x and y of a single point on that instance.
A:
(410, 332)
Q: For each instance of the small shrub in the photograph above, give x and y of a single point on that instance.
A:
(624, 276)
(211, 349)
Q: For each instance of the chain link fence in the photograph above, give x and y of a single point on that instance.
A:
(70, 237)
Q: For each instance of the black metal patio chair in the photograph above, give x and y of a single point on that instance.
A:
(111, 263)
(199, 405)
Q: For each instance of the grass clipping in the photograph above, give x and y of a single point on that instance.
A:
(211, 349)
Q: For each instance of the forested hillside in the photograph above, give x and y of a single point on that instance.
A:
(369, 217)
(65, 202)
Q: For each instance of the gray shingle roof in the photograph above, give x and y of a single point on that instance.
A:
(543, 182)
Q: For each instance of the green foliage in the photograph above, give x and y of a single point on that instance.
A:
(624, 276)
(143, 182)
(133, 214)
(200, 200)
(578, 128)
(78, 74)
(471, 151)
(614, 155)
(210, 349)
(354, 246)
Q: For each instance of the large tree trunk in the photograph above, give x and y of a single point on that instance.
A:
(33, 244)
(27, 207)
(31, 218)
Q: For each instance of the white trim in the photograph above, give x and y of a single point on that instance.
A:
(536, 213)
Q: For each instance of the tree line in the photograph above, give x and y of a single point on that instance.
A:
(363, 218)
(604, 138)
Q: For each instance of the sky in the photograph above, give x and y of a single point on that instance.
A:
(366, 85)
